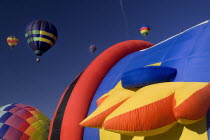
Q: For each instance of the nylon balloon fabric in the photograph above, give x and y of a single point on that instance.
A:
(23, 122)
(173, 102)
(75, 110)
(176, 110)
(41, 35)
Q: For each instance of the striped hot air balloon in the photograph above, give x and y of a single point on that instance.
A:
(144, 30)
(22, 122)
(41, 36)
(12, 41)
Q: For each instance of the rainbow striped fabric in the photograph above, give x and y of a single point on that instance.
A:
(12, 41)
(22, 122)
(144, 30)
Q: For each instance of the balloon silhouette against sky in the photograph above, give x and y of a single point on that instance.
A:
(41, 36)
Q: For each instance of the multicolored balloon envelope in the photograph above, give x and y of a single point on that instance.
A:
(135, 90)
(12, 41)
(41, 36)
(22, 122)
(144, 30)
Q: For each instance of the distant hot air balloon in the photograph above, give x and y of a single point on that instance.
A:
(23, 122)
(92, 48)
(144, 30)
(37, 59)
(41, 36)
(12, 41)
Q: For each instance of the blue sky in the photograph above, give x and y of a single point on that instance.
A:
(80, 23)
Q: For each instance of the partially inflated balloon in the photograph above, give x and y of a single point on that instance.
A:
(144, 30)
(41, 36)
(161, 110)
(12, 41)
(65, 123)
(22, 122)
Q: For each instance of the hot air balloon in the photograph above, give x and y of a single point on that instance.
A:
(173, 101)
(98, 69)
(144, 30)
(12, 41)
(41, 36)
(37, 59)
(92, 48)
(23, 122)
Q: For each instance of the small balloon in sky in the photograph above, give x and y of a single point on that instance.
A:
(37, 59)
(144, 30)
(92, 48)
(41, 35)
(12, 41)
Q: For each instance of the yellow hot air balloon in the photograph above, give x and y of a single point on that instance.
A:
(12, 41)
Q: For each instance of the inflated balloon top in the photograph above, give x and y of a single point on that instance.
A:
(41, 36)
(22, 122)
(12, 41)
(144, 30)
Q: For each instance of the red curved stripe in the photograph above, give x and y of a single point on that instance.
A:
(84, 90)
(144, 28)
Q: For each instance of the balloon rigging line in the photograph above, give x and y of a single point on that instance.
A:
(124, 17)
